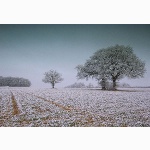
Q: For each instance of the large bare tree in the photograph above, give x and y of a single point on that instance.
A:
(112, 63)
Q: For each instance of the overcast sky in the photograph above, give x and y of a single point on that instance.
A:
(30, 50)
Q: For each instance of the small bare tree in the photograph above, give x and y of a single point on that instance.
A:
(52, 77)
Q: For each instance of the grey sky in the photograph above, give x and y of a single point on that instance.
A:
(30, 50)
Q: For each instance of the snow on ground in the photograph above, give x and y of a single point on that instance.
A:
(75, 107)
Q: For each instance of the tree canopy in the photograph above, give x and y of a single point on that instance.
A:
(112, 63)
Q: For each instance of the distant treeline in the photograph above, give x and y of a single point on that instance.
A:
(14, 82)
(108, 85)
(76, 85)
(81, 85)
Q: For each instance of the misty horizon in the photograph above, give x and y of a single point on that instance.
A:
(29, 51)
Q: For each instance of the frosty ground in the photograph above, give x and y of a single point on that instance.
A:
(26, 107)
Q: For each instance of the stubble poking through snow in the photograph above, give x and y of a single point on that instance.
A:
(75, 107)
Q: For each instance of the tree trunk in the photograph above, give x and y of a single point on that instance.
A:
(103, 84)
(53, 85)
(114, 83)
(103, 88)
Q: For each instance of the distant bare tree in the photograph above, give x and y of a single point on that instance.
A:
(52, 77)
(124, 85)
(90, 85)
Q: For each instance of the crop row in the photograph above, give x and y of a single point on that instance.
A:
(74, 107)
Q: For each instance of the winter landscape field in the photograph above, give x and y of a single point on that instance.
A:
(30, 107)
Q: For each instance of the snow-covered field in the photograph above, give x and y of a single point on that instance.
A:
(74, 107)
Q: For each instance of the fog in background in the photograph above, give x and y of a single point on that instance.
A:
(30, 50)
